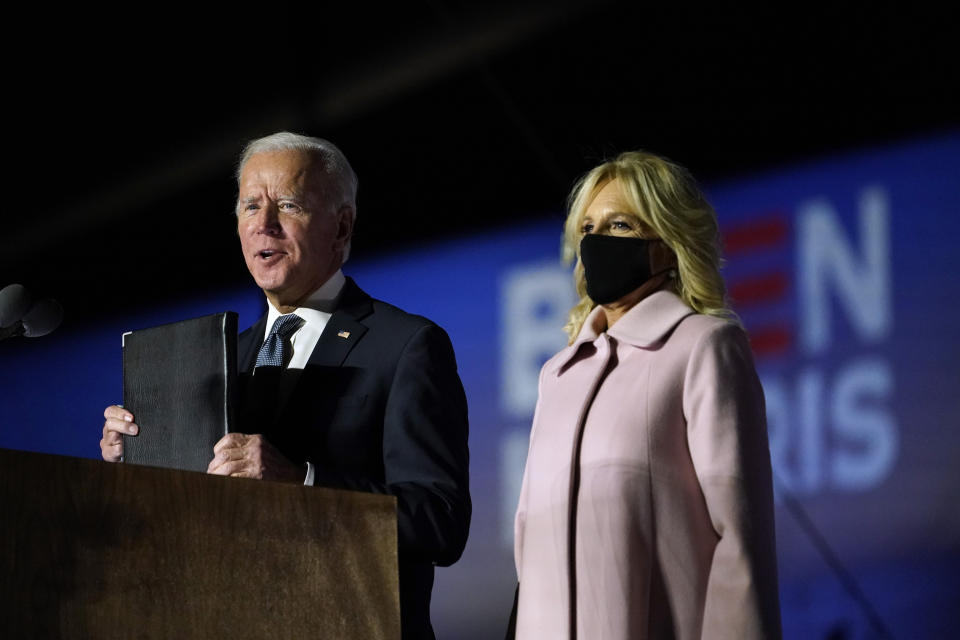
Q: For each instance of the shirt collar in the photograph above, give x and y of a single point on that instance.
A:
(319, 305)
(645, 324)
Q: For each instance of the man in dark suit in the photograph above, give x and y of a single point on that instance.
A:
(338, 389)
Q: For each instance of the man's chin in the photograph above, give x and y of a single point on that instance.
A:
(273, 287)
(270, 279)
(281, 294)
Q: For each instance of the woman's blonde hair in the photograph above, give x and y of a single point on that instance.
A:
(666, 197)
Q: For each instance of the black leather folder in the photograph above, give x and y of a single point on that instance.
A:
(178, 381)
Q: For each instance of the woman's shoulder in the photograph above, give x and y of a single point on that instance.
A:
(704, 323)
(699, 330)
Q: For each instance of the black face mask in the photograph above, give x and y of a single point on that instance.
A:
(614, 265)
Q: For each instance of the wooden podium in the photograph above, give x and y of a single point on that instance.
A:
(90, 549)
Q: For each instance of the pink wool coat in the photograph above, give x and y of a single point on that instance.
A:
(647, 496)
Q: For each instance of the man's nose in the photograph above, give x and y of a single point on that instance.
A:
(268, 219)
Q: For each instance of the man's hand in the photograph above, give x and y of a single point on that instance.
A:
(118, 421)
(251, 456)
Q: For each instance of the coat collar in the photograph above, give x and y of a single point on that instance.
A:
(342, 332)
(651, 319)
(344, 328)
(646, 324)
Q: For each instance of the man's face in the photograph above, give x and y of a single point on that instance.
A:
(291, 233)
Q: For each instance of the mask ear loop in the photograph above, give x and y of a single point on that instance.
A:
(671, 272)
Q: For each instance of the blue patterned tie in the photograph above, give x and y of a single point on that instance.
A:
(273, 353)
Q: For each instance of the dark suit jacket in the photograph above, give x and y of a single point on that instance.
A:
(378, 408)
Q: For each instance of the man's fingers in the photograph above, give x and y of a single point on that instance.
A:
(111, 447)
(229, 441)
(224, 458)
(117, 421)
(119, 425)
(239, 455)
(218, 468)
(117, 412)
(227, 455)
(241, 468)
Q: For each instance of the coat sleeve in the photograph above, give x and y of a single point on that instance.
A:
(425, 452)
(727, 434)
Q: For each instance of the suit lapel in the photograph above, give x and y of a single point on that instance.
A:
(344, 329)
(342, 333)
(339, 336)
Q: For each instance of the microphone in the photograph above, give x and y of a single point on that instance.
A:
(19, 318)
(14, 304)
(43, 317)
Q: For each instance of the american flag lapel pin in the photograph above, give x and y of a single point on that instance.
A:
(343, 334)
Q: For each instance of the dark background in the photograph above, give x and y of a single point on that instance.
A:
(457, 117)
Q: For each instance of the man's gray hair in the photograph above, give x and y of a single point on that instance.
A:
(332, 163)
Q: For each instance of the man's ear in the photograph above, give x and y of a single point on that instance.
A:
(345, 218)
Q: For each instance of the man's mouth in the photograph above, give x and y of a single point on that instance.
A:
(268, 253)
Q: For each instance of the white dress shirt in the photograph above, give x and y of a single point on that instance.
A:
(316, 312)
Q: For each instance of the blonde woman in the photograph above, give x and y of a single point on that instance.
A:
(646, 509)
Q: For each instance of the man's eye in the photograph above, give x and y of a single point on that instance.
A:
(288, 206)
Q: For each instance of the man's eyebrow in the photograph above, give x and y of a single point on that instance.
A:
(249, 199)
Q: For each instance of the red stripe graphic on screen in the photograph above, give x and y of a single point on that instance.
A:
(763, 233)
(769, 232)
(759, 289)
(770, 341)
